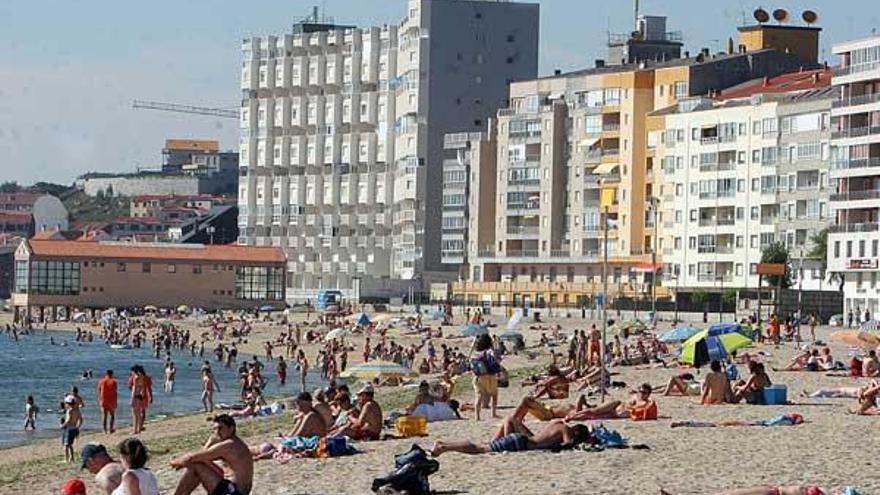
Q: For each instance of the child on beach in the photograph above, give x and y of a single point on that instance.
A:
(70, 426)
(30, 411)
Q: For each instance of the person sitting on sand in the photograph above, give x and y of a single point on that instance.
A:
(554, 387)
(799, 362)
(513, 436)
(108, 473)
(682, 385)
(870, 366)
(422, 397)
(868, 401)
(250, 407)
(716, 386)
(826, 361)
(201, 468)
(368, 425)
(307, 421)
(753, 389)
(323, 408)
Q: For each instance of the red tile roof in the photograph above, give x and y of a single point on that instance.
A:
(783, 83)
(15, 216)
(157, 251)
(19, 198)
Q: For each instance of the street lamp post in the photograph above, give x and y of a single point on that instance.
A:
(653, 203)
(604, 304)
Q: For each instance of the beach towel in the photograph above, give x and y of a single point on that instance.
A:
(781, 420)
(439, 411)
(603, 438)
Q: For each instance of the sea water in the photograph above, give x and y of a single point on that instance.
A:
(34, 366)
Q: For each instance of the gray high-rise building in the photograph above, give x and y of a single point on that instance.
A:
(342, 135)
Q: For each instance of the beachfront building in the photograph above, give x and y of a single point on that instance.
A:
(853, 240)
(342, 135)
(741, 171)
(84, 276)
(575, 153)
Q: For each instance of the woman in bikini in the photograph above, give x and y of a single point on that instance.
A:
(209, 385)
(138, 398)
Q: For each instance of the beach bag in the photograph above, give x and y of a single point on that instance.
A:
(409, 479)
(606, 438)
(417, 455)
(411, 426)
(503, 378)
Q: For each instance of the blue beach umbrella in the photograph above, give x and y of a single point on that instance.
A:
(362, 319)
(472, 330)
(723, 328)
(679, 334)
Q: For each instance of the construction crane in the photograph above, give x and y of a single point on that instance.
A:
(173, 107)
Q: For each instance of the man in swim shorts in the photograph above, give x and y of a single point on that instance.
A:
(201, 468)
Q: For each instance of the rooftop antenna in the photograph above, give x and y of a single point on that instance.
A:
(636, 15)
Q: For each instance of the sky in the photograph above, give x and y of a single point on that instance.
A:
(70, 70)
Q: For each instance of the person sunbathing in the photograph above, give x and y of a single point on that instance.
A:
(640, 407)
(797, 363)
(554, 387)
(514, 436)
(770, 490)
(682, 386)
(422, 397)
(870, 366)
(834, 393)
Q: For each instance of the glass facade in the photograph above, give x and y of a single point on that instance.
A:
(56, 278)
(259, 283)
(21, 277)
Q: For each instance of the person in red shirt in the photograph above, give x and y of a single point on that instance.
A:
(107, 401)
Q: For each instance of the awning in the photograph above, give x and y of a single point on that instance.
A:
(554, 96)
(590, 141)
(605, 168)
(646, 268)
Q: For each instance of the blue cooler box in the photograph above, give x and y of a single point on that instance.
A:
(775, 395)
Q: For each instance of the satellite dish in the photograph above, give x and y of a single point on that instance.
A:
(781, 15)
(810, 17)
(761, 15)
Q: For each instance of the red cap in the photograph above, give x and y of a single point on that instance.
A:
(73, 487)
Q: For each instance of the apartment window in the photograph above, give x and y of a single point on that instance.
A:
(197, 269)
(753, 268)
(849, 249)
(172, 268)
(874, 248)
(679, 89)
(754, 213)
(739, 241)
(259, 283)
(739, 269)
(146, 268)
(753, 242)
(861, 249)
(120, 267)
(837, 249)
(756, 127)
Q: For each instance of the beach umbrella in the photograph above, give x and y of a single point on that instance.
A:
(372, 369)
(267, 307)
(150, 307)
(337, 334)
(722, 328)
(679, 334)
(511, 336)
(515, 319)
(78, 317)
(362, 319)
(870, 326)
(702, 347)
(856, 338)
(472, 330)
(183, 308)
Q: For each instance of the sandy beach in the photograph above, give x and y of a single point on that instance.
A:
(832, 448)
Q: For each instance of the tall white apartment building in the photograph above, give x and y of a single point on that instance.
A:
(853, 240)
(741, 173)
(342, 135)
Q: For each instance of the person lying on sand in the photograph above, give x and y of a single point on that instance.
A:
(513, 436)
(834, 393)
(799, 362)
(554, 387)
(770, 490)
(640, 407)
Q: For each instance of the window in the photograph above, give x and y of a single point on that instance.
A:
(259, 283)
(146, 268)
(197, 269)
(837, 249)
(172, 268)
(849, 249)
(61, 278)
(120, 267)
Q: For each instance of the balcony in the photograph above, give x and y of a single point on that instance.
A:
(610, 152)
(522, 253)
(593, 156)
(524, 182)
(453, 207)
(720, 222)
(856, 195)
(523, 206)
(855, 69)
(855, 163)
(856, 100)
(536, 134)
(770, 220)
(523, 230)
(717, 167)
(717, 194)
(855, 132)
(854, 227)
(711, 277)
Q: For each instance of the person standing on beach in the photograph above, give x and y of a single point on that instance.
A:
(137, 383)
(170, 372)
(209, 385)
(281, 369)
(70, 425)
(302, 363)
(107, 395)
(30, 414)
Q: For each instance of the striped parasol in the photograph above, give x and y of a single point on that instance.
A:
(372, 369)
(870, 326)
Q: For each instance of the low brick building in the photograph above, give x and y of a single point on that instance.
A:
(53, 275)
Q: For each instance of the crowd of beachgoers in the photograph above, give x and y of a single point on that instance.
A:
(572, 393)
